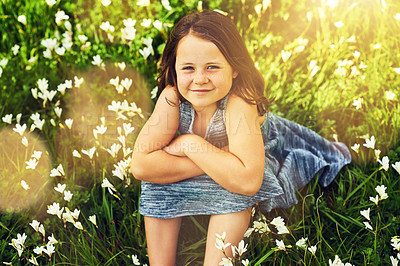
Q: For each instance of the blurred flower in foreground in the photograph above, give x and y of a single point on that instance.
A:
(356, 147)
(7, 118)
(396, 167)
(285, 55)
(22, 19)
(338, 24)
(390, 95)
(51, 2)
(24, 185)
(357, 103)
(105, 2)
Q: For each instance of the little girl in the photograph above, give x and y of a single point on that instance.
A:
(228, 153)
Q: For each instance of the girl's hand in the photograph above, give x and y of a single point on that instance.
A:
(174, 149)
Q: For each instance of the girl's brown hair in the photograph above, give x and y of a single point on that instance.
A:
(220, 30)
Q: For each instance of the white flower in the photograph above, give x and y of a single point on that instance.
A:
(382, 192)
(280, 225)
(374, 199)
(68, 122)
(285, 55)
(135, 260)
(50, 44)
(122, 65)
(245, 262)
(397, 70)
(377, 154)
(60, 16)
(312, 249)
(143, 2)
(89, 152)
(93, 219)
(226, 262)
(24, 141)
(60, 50)
(129, 23)
(128, 128)
(154, 92)
(33, 260)
(366, 213)
(68, 195)
(77, 81)
(107, 184)
(99, 130)
(3, 62)
(368, 226)
(50, 249)
(38, 250)
(24, 185)
(166, 4)
(31, 164)
(22, 19)
(128, 33)
(7, 118)
(105, 2)
(58, 111)
(35, 225)
(338, 24)
(390, 96)
(52, 240)
(356, 54)
(241, 248)
(126, 83)
(357, 103)
(75, 153)
(280, 244)
(370, 143)
(158, 25)
(394, 261)
(396, 167)
(302, 242)
(97, 61)
(51, 2)
(395, 242)
(20, 129)
(384, 163)
(54, 209)
(83, 38)
(145, 52)
(107, 27)
(78, 225)
(41, 230)
(356, 147)
(146, 23)
(377, 46)
(114, 149)
(75, 214)
(15, 49)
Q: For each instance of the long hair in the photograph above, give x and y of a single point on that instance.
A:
(220, 30)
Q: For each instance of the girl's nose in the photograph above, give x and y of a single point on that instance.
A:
(200, 79)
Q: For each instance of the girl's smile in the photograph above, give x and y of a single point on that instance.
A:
(204, 76)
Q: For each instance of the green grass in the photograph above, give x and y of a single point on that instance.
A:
(315, 86)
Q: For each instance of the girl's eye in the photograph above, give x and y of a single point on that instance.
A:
(188, 68)
(212, 67)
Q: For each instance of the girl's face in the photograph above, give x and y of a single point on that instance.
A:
(203, 74)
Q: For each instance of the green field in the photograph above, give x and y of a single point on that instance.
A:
(78, 80)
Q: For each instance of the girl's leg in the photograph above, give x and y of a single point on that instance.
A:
(162, 239)
(234, 225)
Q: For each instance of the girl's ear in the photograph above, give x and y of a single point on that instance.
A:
(235, 74)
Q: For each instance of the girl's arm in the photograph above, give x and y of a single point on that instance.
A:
(240, 169)
(149, 161)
